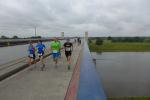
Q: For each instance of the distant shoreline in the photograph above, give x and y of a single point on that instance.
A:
(120, 47)
(7, 42)
(12, 42)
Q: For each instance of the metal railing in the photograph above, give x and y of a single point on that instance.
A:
(85, 83)
(90, 87)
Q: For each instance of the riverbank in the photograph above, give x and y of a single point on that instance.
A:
(109, 65)
(14, 42)
(120, 47)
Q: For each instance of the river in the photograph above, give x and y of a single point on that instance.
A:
(124, 73)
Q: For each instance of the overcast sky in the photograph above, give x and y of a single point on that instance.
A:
(74, 17)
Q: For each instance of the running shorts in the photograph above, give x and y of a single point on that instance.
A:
(32, 56)
(68, 53)
(55, 55)
(40, 54)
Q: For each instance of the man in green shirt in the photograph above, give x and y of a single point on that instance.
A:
(55, 47)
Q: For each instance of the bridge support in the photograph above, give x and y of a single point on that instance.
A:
(86, 36)
(62, 34)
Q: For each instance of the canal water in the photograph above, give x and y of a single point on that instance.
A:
(11, 53)
(124, 74)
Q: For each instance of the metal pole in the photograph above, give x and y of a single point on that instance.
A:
(86, 36)
(35, 31)
(62, 34)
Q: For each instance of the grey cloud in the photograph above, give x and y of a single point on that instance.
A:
(99, 17)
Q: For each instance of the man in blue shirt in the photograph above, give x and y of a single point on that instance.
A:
(40, 50)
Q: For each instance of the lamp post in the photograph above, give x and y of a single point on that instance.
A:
(62, 34)
(35, 31)
(86, 36)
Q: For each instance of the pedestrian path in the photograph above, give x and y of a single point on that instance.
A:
(34, 84)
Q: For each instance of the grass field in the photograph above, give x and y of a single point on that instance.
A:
(120, 47)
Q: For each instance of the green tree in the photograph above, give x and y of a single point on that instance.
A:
(147, 40)
(4, 37)
(109, 38)
(99, 41)
(36, 37)
(15, 37)
(89, 40)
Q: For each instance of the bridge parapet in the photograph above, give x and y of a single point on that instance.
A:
(85, 83)
(90, 87)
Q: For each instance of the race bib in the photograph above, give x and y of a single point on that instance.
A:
(31, 55)
(68, 49)
(40, 54)
(55, 51)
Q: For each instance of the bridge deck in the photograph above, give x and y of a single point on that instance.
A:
(34, 84)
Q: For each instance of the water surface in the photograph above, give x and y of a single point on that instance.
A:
(124, 73)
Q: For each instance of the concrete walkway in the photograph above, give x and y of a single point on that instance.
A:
(34, 84)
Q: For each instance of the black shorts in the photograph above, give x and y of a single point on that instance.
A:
(68, 53)
(32, 56)
(40, 54)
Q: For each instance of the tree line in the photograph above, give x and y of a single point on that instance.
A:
(17, 37)
(99, 40)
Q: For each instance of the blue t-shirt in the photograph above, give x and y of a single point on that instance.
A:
(31, 49)
(40, 47)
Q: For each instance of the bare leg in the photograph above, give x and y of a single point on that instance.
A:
(56, 61)
(42, 61)
(69, 62)
(34, 62)
(29, 60)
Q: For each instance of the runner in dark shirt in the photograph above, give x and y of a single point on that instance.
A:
(68, 51)
(79, 41)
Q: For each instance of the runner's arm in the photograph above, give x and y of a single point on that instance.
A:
(36, 49)
(63, 46)
(44, 47)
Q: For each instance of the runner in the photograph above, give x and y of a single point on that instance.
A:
(31, 51)
(75, 40)
(55, 47)
(40, 50)
(68, 51)
(59, 52)
(79, 41)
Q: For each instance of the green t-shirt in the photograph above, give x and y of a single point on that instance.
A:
(55, 46)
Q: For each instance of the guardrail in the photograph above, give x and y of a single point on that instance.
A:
(85, 83)
(73, 84)
(90, 87)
